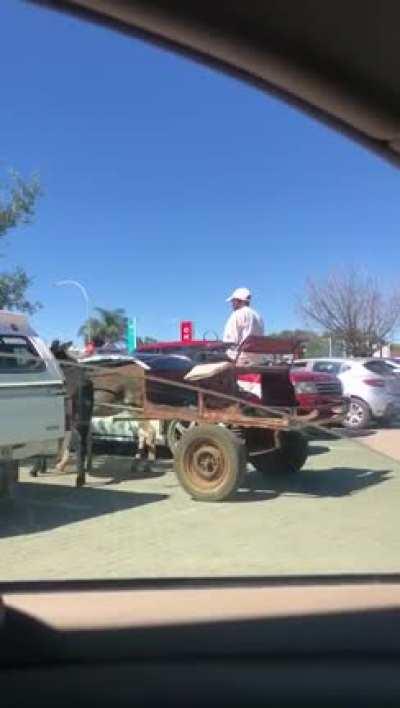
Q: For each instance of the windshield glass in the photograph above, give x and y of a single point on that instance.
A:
(153, 207)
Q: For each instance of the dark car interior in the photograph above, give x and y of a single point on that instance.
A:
(314, 641)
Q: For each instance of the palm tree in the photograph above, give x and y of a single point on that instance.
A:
(109, 326)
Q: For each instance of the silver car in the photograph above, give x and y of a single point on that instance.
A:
(371, 385)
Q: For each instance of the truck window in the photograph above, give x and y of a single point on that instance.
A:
(17, 355)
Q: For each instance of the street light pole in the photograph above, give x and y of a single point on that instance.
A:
(83, 290)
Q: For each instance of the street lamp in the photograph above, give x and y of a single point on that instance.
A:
(83, 290)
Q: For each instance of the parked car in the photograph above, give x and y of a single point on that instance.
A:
(31, 397)
(200, 351)
(371, 385)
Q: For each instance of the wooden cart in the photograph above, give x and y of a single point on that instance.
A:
(228, 430)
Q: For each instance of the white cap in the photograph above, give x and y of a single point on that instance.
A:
(243, 294)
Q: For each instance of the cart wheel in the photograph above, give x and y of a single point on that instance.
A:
(290, 455)
(210, 462)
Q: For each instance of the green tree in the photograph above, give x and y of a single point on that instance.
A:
(17, 207)
(293, 334)
(109, 326)
(316, 345)
(13, 287)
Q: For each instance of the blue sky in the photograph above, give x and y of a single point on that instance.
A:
(166, 185)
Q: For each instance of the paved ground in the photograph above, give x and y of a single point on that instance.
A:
(340, 514)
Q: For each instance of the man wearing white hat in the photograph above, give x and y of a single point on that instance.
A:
(243, 322)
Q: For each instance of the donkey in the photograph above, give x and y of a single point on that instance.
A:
(93, 390)
(103, 391)
(123, 386)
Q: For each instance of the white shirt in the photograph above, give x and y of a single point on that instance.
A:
(242, 323)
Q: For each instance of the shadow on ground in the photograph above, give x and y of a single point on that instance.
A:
(350, 434)
(114, 470)
(124, 449)
(331, 434)
(318, 449)
(331, 482)
(41, 507)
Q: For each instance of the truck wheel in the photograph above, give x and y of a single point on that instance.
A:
(358, 416)
(210, 462)
(175, 431)
(290, 455)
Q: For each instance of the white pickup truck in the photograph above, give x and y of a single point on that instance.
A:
(32, 414)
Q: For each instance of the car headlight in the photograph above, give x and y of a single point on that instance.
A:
(305, 387)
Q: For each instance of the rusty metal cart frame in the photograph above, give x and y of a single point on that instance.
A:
(212, 456)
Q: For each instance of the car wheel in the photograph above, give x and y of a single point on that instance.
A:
(175, 432)
(358, 416)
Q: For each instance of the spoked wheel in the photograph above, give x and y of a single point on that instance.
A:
(358, 416)
(289, 454)
(210, 462)
(175, 432)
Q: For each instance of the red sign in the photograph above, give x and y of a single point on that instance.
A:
(186, 331)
